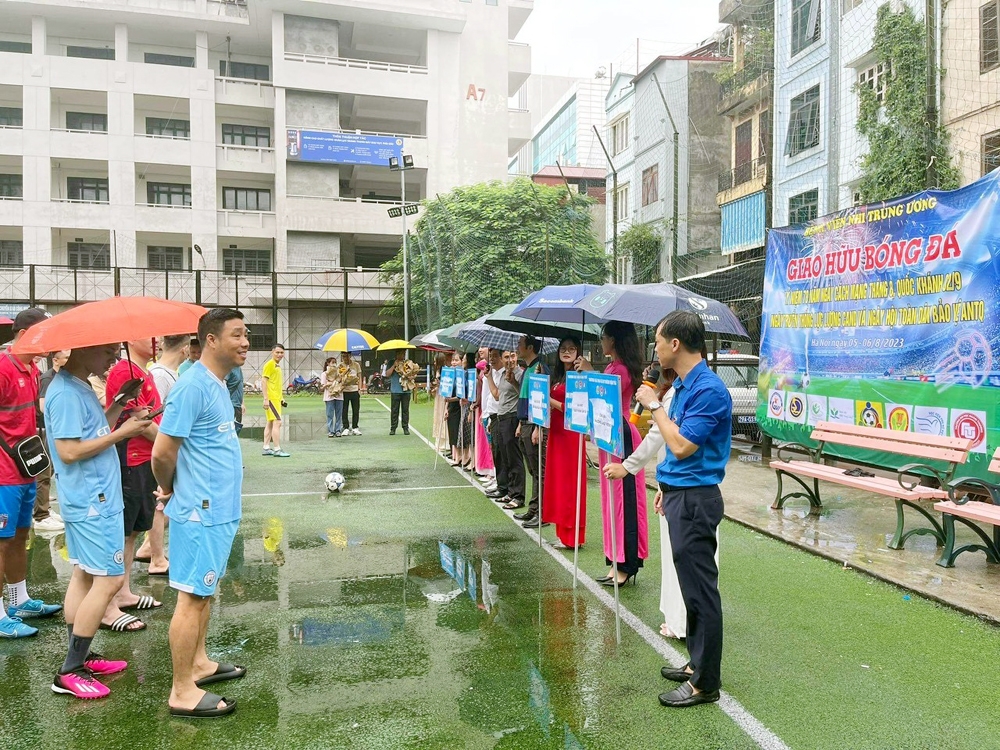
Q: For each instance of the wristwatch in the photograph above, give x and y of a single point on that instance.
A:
(654, 405)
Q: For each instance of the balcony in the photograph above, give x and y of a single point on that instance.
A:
(747, 178)
(69, 212)
(162, 149)
(11, 212)
(355, 287)
(162, 217)
(519, 131)
(736, 11)
(247, 224)
(304, 213)
(748, 85)
(342, 75)
(244, 93)
(11, 141)
(518, 66)
(244, 159)
(517, 14)
(70, 144)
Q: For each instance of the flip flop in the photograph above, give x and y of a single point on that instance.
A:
(145, 602)
(121, 625)
(158, 572)
(207, 708)
(222, 672)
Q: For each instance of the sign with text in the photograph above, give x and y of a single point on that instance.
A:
(459, 383)
(576, 414)
(446, 386)
(886, 316)
(342, 148)
(604, 392)
(538, 400)
(471, 382)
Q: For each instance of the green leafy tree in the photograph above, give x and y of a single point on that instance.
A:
(906, 154)
(483, 246)
(642, 245)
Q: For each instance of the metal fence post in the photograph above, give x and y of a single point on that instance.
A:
(274, 302)
(197, 286)
(118, 281)
(31, 285)
(343, 307)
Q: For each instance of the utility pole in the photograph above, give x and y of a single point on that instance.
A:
(401, 164)
(931, 108)
(673, 228)
(614, 206)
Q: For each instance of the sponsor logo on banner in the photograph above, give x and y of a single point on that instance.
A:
(970, 425)
(930, 420)
(776, 405)
(816, 409)
(869, 413)
(796, 408)
(899, 417)
(841, 410)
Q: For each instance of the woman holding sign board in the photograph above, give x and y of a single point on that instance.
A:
(627, 500)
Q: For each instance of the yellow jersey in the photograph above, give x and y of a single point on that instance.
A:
(272, 372)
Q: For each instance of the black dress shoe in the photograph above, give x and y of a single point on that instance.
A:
(685, 696)
(494, 495)
(526, 516)
(675, 674)
(406, 431)
(392, 432)
(534, 523)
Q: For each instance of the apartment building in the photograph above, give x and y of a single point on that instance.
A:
(242, 147)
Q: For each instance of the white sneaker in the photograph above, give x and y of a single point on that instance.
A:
(49, 524)
(357, 431)
(53, 514)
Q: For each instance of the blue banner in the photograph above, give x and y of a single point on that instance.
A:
(604, 392)
(446, 387)
(342, 148)
(471, 381)
(538, 400)
(887, 316)
(459, 383)
(576, 413)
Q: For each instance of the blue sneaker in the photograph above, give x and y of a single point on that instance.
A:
(33, 608)
(12, 627)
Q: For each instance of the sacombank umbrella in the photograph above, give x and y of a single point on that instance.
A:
(505, 320)
(557, 304)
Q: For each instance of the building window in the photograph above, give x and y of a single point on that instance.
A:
(161, 258)
(619, 136)
(23, 48)
(246, 199)
(846, 6)
(556, 141)
(246, 135)
(168, 194)
(650, 185)
(743, 167)
(93, 53)
(261, 336)
(180, 61)
(991, 151)
(89, 189)
(88, 255)
(622, 203)
(764, 134)
(876, 78)
(805, 24)
(803, 124)
(243, 261)
(251, 71)
(90, 121)
(170, 128)
(11, 253)
(989, 36)
(804, 207)
(11, 186)
(11, 117)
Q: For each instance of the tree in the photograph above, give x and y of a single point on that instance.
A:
(906, 153)
(642, 245)
(483, 246)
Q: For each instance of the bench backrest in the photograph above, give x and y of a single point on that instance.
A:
(995, 463)
(951, 450)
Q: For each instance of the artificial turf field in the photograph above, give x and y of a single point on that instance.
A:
(355, 637)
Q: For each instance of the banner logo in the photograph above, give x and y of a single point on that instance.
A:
(970, 427)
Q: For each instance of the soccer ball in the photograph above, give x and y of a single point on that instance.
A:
(334, 481)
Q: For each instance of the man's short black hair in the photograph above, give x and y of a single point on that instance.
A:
(278, 346)
(175, 342)
(530, 342)
(686, 327)
(194, 339)
(214, 321)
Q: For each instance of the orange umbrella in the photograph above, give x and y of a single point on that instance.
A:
(110, 321)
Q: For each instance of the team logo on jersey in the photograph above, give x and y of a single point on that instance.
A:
(3, 520)
(119, 557)
(209, 578)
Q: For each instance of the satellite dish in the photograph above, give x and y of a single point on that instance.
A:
(601, 72)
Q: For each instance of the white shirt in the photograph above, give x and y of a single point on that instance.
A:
(489, 403)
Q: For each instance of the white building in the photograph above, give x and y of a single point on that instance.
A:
(233, 137)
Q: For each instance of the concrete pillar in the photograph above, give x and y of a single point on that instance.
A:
(201, 50)
(38, 36)
(121, 42)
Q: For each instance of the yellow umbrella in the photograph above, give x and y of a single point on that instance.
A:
(395, 344)
(346, 340)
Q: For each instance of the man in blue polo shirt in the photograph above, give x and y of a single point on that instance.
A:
(698, 434)
(199, 468)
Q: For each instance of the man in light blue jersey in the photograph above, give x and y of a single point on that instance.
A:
(199, 468)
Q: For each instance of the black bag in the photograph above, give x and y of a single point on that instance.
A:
(28, 455)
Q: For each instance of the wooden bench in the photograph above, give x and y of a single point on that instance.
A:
(905, 488)
(969, 513)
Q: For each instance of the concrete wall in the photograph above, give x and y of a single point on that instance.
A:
(314, 250)
(312, 109)
(313, 179)
(708, 154)
(312, 36)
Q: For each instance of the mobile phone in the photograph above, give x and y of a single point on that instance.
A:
(156, 413)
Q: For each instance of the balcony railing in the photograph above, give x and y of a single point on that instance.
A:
(346, 62)
(745, 172)
(745, 82)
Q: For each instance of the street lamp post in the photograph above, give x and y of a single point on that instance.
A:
(401, 164)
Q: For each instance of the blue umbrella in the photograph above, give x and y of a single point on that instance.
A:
(504, 319)
(558, 304)
(647, 304)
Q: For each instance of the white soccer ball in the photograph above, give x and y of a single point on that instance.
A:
(334, 481)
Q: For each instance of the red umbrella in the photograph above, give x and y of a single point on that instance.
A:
(6, 322)
(110, 321)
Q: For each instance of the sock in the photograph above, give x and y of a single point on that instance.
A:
(18, 593)
(3, 610)
(69, 629)
(79, 647)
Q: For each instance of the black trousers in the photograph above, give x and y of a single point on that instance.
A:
(352, 401)
(498, 464)
(693, 515)
(399, 402)
(510, 454)
(535, 469)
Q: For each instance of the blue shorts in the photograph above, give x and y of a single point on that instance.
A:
(97, 544)
(198, 555)
(17, 503)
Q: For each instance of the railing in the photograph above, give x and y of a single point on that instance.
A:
(347, 62)
(758, 71)
(74, 130)
(164, 137)
(348, 199)
(227, 214)
(745, 172)
(164, 205)
(229, 150)
(359, 132)
(80, 200)
(11, 197)
(11, 127)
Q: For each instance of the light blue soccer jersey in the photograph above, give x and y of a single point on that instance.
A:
(209, 476)
(93, 485)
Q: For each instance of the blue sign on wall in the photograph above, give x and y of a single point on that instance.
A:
(342, 148)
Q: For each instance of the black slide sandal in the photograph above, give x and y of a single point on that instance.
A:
(222, 672)
(207, 708)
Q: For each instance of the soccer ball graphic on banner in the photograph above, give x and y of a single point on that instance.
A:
(335, 481)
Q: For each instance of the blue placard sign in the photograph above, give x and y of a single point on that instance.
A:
(604, 393)
(447, 386)
(576, 415)
(538, 400)
(342, 148)
(459, 383)
(471, 379)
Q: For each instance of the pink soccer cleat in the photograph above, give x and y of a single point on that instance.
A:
(101, 666)
(80, 684)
